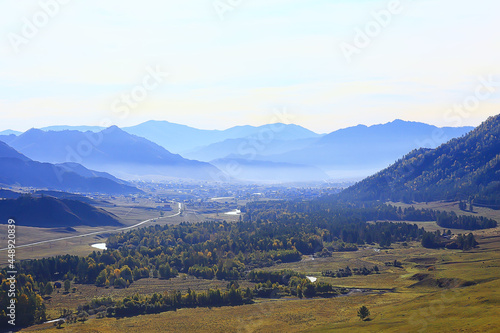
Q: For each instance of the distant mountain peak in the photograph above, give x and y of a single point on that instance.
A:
(116, 132)
(113, 128)
(33, 131)
(400, 122)
(157, 121)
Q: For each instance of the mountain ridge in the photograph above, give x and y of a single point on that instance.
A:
(17, 169)
(111, 150)
(363, 150)
(460, 169)
(348, 153)
(182, 138)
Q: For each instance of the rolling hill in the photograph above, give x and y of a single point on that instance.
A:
(463, 168)
(49, 212)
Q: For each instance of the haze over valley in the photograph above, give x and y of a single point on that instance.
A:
(277, 153)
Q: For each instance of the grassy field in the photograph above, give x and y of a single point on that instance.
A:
(27, 235)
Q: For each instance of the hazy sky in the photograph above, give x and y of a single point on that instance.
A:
(327, 64)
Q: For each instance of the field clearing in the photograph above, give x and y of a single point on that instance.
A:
(85, 293)
(430, 226)
(452, 207)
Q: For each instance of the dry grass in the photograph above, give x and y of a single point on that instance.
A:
(472, 309)
(85, 293)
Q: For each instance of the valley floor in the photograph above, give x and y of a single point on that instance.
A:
(435, 291)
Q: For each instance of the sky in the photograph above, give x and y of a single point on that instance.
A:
(213, 64)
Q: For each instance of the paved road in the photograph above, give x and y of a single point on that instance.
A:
(99, 232)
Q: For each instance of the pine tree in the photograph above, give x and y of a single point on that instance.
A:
(67, 285)
(48, 288)
(363, 312)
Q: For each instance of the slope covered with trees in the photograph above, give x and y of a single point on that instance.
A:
(464, 168)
